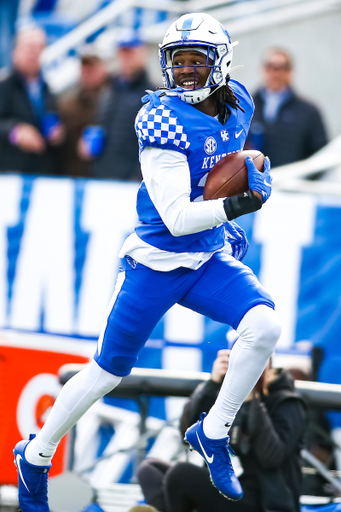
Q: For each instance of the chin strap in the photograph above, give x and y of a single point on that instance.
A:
(153, 97)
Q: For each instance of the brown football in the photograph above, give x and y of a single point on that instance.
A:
(229, 176)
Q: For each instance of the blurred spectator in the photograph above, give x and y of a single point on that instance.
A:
(285, 127)
(117, 111)
(266, 436)
(317, 438)
(30, 130)
(78, 108)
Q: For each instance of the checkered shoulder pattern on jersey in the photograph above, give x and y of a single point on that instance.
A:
(159, 126)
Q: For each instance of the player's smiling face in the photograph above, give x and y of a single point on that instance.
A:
(192, 72)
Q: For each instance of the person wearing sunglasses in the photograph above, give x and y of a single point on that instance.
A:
(285, 126)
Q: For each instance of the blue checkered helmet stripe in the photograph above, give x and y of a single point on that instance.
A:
(187, 24)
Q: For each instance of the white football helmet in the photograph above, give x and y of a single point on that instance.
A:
(197, 30)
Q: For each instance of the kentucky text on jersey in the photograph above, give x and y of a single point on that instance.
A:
(210, 161)
(178, 126)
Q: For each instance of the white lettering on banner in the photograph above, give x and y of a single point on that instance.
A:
(109, 215)
(44, 276)
(10, 193)
(180, 358)
(182, 325)
(284, 226)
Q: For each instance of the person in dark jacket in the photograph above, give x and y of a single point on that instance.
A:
(117, 110)
(266, 436)
(285, 126)
(78, 108)
(30, 130)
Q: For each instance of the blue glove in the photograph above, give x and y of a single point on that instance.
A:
(259, 181)
(236, 237)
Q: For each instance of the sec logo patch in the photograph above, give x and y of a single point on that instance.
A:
(210, 145)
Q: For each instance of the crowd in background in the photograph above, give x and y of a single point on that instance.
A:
(285, 127)
(88, 130)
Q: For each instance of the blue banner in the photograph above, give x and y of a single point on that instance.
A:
(59, 240)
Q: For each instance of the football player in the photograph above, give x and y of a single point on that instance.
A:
(184, 250)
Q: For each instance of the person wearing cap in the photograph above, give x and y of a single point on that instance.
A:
(30, 129)
(117, 111)
(78, 108)
(285, 126)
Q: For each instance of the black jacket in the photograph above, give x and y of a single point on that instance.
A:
(117, 113)
(15, 107)
(267, 437)
(297, 132)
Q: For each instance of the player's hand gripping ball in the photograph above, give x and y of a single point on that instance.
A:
(237, 173)
(260, 182)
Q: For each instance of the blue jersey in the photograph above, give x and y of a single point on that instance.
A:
(178, 126)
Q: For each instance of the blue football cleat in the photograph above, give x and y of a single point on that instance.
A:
(216, 455)
(32, 481)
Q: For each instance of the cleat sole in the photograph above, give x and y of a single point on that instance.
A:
(226, 497)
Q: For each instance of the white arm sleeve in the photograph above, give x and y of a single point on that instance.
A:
(167, 178)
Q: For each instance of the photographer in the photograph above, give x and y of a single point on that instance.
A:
(266, 437)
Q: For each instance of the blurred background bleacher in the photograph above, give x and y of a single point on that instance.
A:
(307, 28)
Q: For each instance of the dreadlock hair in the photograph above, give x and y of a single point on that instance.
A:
(225, 97)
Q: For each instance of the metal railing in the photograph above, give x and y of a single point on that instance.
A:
(153, 382)
(144, 382)
(293, 177)
(241, 16)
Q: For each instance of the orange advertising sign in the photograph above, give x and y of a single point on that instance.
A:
(29, 386)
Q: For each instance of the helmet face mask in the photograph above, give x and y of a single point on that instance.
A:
(197, 31)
